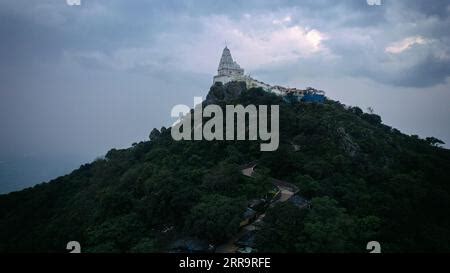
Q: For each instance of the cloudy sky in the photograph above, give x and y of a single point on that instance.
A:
(79, 80)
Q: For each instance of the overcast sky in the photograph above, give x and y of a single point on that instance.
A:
(77, 81)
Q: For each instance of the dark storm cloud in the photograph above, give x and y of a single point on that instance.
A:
(362, 45)
(49, 28)
(428, 8)
(428, 72)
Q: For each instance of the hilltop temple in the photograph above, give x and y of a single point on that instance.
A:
(229, 70)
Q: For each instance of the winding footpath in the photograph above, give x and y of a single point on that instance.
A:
(285, 192)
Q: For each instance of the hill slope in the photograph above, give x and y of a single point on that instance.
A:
(365, 180)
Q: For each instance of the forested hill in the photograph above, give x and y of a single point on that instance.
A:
(364, 180)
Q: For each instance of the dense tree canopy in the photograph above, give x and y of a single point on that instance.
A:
(366, 181)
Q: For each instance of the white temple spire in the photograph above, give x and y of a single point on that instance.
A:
(228, 69)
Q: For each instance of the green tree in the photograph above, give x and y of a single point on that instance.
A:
(327, 228)
(223, 179)
(216, 218)
(154, 134)
(434, 141)
(145, 245)
(308, 186)
(282, 229)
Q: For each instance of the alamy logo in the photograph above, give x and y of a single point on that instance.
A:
(73, 2)
(235, 118)
(374, 247)
(74, 247)
(374, 2)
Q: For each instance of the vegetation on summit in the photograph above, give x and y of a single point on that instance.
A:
(366, 181)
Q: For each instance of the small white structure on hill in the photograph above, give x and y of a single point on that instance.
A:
(229, 71)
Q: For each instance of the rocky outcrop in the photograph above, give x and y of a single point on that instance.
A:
(225, 93)
(349, 146)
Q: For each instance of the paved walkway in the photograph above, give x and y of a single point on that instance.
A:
(249, 171)
(285, 194)
(287, 190)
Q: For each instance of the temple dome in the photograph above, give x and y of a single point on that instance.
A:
(227, 66)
